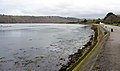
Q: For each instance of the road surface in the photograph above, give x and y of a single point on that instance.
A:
(109, 59)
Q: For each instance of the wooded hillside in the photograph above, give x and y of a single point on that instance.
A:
(37, 19)
(112, 18)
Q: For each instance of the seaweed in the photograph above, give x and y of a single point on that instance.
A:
(75, 58)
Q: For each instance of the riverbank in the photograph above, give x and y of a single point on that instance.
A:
(87, 63)
(77, 57)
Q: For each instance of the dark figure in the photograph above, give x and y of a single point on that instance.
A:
(111, 29)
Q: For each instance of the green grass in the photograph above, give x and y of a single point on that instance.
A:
(115, 24)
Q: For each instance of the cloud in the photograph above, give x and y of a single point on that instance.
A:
(73, 8)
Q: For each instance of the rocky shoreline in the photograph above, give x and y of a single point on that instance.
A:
(75, 58)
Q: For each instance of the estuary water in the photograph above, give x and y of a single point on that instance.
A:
(40, 47)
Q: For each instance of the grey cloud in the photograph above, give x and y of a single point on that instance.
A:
(60, 9)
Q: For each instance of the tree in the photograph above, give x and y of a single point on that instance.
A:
(85, 20)
(98, 21)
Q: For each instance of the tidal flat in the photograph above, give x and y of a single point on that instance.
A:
(40, 47)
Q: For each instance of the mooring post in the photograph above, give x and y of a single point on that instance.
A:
(111, 29)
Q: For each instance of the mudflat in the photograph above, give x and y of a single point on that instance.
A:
(40, 47)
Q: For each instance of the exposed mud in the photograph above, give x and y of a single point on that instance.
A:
(79, 55)
(41, 47)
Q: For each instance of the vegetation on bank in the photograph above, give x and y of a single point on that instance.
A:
(110, 19)
(115, 24)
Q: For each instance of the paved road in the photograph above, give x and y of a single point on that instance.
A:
(109, 59)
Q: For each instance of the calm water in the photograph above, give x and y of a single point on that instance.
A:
(39, 47)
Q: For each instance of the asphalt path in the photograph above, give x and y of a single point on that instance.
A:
(109, 59)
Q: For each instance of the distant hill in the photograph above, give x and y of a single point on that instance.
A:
(112, 18)
(37, 19)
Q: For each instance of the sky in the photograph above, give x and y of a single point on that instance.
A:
(65, 8)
